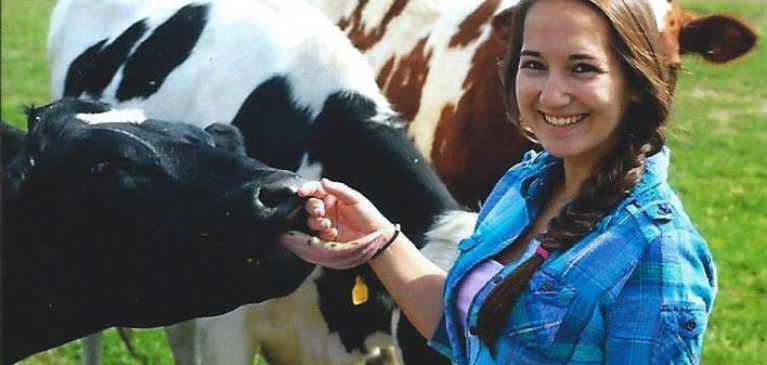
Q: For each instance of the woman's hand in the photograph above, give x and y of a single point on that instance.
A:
(338, 212)
(350, 229)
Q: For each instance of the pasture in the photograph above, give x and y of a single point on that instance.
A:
(717, 135)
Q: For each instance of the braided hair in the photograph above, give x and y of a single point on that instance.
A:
(635, 40)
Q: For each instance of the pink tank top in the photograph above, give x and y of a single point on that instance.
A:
(473, 283)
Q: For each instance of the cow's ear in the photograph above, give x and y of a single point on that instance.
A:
(228, 137)
(502, 24)
(12, 138)
(33, 116)
(718, 38)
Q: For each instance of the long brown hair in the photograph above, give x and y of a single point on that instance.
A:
(635, 40)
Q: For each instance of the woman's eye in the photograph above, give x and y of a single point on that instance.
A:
(533, 65)
(584, 67)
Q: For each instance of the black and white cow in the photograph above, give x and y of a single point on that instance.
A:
(305, 100)
(112, 219)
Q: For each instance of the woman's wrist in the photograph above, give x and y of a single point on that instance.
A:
(393, 236)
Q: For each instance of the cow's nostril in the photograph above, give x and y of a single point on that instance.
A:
(273, 197)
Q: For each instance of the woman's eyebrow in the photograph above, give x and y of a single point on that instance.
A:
(582, 56)
(574, 56)
(526, 52)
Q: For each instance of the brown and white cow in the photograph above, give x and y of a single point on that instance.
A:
(436, 62)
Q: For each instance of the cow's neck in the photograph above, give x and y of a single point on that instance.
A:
(377, 159)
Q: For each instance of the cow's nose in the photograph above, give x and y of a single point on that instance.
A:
(279, 196)
(273, 196)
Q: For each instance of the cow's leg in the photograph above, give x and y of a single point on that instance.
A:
(225, 339)
(92, 349)
(184, 339)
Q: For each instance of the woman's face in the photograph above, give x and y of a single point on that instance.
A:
(571, 89)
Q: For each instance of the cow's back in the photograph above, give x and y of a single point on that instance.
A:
(258, 46)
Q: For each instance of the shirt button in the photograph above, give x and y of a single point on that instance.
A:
(548, 286)
(473, 330)
(690, 325)
(497, 279)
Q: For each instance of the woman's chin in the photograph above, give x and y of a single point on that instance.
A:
(560, 149)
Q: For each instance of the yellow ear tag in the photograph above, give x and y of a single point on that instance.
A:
(359, 291)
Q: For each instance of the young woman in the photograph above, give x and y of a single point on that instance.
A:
(582, 253)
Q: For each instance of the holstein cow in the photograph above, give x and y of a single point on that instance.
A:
(112, 219)
(305, 100)
(436, 63)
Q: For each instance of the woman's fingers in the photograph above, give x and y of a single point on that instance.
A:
(312, 188)
(344, 193)
(329, 234)
(319, 224)
(315, 207)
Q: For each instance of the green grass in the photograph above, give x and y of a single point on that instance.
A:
(720, 170)
(717, 134)
(23, 68)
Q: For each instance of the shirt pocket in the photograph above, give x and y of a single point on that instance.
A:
(539, 313)
(680, 336)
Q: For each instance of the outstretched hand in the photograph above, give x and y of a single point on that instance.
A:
(350, 229)
(338, 212)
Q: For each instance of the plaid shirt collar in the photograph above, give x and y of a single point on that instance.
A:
(656, 172)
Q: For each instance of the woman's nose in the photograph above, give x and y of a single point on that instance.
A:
(555, 92)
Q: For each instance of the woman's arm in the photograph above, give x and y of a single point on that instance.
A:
(415, 283)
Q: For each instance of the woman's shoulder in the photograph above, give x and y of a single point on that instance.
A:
(654, 217)
(656, 212)
(657, 221)
(652, 207)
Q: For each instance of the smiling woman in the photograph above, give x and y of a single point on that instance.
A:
(572, 94)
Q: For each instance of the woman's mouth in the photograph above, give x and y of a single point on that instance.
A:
(562, 121)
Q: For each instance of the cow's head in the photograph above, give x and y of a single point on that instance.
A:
(717, 38)
(111, 219)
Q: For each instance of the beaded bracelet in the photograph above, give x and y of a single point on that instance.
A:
(388, 243)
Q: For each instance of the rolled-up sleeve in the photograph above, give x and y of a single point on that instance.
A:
(440, 340)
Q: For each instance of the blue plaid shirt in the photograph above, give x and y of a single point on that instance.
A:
(637, 290)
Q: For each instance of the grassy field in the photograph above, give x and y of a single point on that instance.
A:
(717, 135)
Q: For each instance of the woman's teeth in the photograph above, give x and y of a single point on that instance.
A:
(563, 121)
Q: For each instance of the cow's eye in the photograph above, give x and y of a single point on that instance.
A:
(108, 167)
(99, 168)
